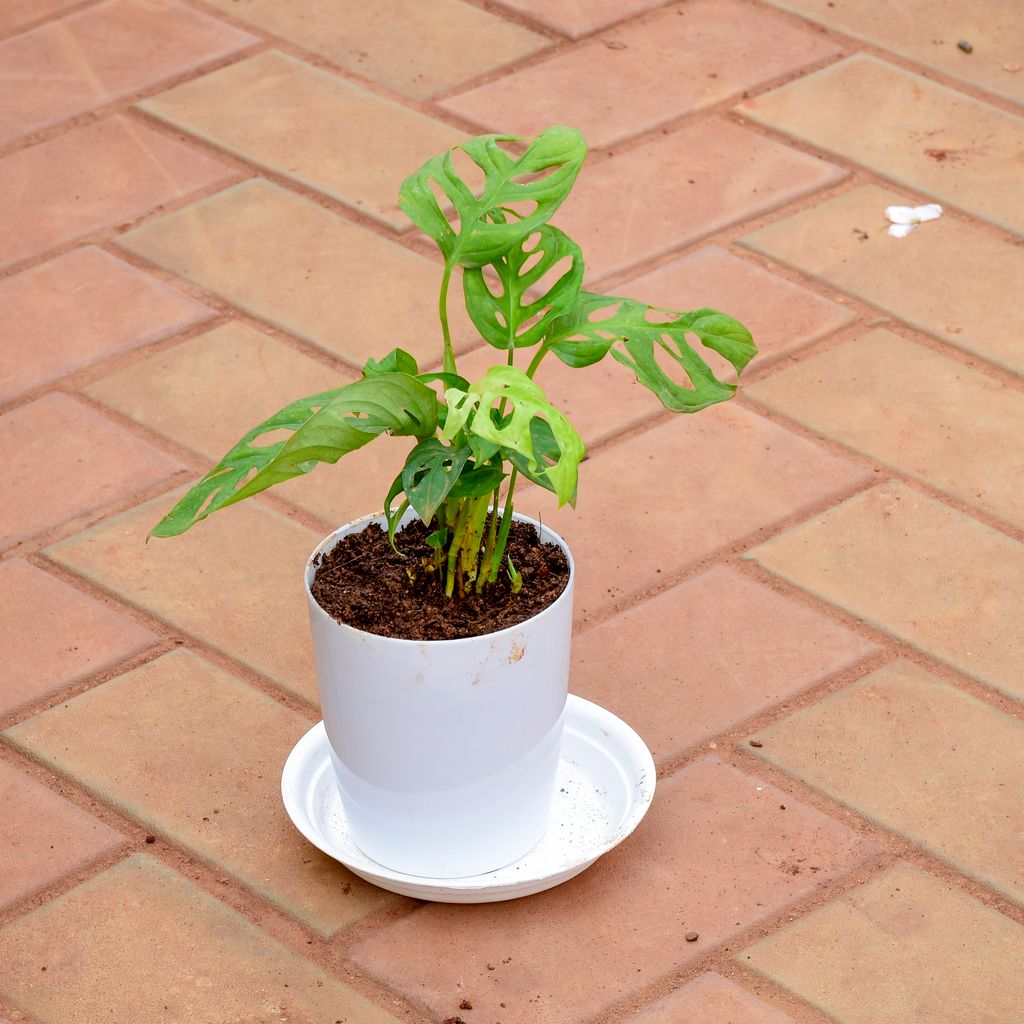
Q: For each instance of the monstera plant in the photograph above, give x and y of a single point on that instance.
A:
(522, 283)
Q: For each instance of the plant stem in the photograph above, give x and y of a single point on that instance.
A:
(492, 538)
(453, 550)
(506, 525)
(474, 535)
(442, 312)
(535, 362)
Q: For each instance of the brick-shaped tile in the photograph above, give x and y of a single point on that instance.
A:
(101, 53)
(671, 495)
(729, 649)
(271, 109)
(235, 581)
(330, 281)
(66, 461)
(950, 278)
(139, 943)
(209, 782)
(209, 391)
(81, 308)
(92, 178)
(993, 32)
(904, 947)
(781, 315)
(710, 999)
(396, 43)
(678, 187)
(715, 855)
(43, 837)
(646, 73)
(957, 760)
(920, 570)
(906, 405)
(54, 635)
(907, 128)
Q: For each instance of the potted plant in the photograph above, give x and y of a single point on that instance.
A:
(444, 708)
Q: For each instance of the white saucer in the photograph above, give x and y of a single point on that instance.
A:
(606, 780)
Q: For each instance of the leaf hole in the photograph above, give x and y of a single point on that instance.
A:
(672, 369)
(469, 171)
(537, 431)
(444, 203)
(510, 147)
(522, 208)
(271, 438)
(604, 313)
(554, 275)
(533, 320)
(659, 316)
(530, 177)
(530, 262)
(214, 495)
(493, 282)
(719, 365)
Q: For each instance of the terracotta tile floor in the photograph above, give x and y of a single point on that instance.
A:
(811, 606)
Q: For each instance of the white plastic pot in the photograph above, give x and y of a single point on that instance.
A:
(445, 751)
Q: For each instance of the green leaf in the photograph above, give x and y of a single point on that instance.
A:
(326, 427)
(449, 380)
(430, 472)
(471, 411)
(580, 340)
(546, 449)
(500, 319)
(438, 538)
(393, 517)
(631, 334)
(477, 482)
(396, 361)
(541, 177)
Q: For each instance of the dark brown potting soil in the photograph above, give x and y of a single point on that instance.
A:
(364, 584)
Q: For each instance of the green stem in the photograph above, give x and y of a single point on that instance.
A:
(535, 362)
(442, 312)
(453, 550)
(470, 560)
(506, 525)
(492, 539)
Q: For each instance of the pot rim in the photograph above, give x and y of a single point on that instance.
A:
(332, 539)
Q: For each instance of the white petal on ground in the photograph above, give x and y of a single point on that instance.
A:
(913, 214)
(932, 211)
(901, 230)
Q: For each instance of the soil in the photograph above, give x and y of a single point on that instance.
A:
(364, 584)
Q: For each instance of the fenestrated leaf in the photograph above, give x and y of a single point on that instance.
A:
(543, 176)
(546, 449)
(430, 472)
(580, 340)
(525, 403)
(500, 318)
(633, 330)
(326, 427)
